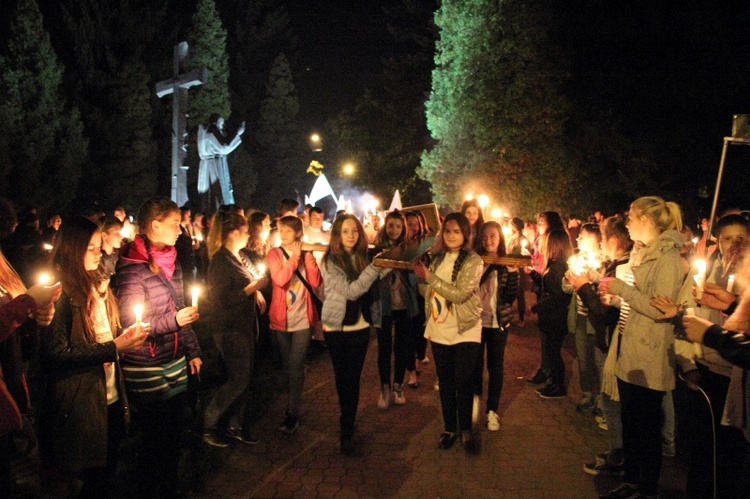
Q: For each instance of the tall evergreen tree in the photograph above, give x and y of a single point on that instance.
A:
(281, 163)
(111, 83)
(44, 142)
(208, 48)
(496, 110)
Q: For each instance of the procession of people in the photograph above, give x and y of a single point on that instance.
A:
(98, 341)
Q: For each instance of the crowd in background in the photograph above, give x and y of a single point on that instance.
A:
(97, 314)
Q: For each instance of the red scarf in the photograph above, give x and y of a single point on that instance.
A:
(164, 258)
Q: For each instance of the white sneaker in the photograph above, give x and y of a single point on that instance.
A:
(475, 410)
(493, 421)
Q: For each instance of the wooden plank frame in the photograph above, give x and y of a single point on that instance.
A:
(431, 214)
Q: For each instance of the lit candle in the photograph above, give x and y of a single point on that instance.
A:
(469, 196)
(261, 268)
(264, 236)
(47, 247)
(483, 200)
(690, 311)
(497, 215)
(305, 239)
(730, 283)
(695, 240)
(524, 247)
(138, 311)
(199, 237)
(700, 278)
(195, 292)
(44, 279)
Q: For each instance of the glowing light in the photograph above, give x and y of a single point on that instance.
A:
(483, 200)
(199, 237)
(730, 283)
(497, 214)
(469, 196)
(261, 269)
(47, 247)
(315, 137)
(695, 240)
(700, 278)
(195, 292)
(138, 311)
(44, 279)
(348, 169)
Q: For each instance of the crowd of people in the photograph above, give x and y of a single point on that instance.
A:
(97, 313)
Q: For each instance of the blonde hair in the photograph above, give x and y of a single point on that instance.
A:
(666, 215)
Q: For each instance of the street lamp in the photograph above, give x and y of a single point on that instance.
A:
(348, 169)
(316, 143)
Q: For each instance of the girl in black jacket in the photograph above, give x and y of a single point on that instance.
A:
(552, 309)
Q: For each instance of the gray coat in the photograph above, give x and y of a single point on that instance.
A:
(339, 289)
(646, 355)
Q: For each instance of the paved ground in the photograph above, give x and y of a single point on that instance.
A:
(538, 451)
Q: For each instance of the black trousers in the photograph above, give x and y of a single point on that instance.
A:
(162, 424)
(455, 366)
(642, 420)
(348, 350)
(552, 361)
(730, 442)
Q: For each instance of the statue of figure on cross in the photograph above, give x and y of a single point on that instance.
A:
(214, 183)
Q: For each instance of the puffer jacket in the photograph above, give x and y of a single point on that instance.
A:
(507, 292)
(463, 294)
(134, 283)
(339, 289)
(646, 355)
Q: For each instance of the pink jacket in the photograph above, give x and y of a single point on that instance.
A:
(281, 275)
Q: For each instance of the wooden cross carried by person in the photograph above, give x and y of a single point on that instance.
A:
(178, 86)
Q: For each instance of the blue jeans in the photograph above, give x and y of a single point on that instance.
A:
(293, 348)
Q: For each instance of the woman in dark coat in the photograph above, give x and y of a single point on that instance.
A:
(86, 408)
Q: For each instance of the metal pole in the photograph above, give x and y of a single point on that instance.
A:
(716, 194)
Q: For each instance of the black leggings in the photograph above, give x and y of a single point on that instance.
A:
(393, 342)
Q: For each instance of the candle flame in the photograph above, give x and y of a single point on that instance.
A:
(44, 279)
(138, 311)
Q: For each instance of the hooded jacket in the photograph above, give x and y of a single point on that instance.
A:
(646, 354)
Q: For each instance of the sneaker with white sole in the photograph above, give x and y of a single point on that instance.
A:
(493, 421)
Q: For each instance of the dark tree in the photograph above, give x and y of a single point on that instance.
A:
(43, 148)
(113, 89)
(281, 163)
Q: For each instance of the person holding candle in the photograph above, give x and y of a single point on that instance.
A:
(497, 289)
(454, 326)
(86, 408)
(232, 296)
(705, 369)
(589, 240)
(22, 311)
(645, 360)
(347, 316)
(293, 314)
(156, 373)
(552, 308)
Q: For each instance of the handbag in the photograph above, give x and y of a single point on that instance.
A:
(317, 302)
(10, 415)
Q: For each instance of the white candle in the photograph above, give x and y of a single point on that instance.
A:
(44, 279)
(138, 311)
(195, 292)
(261, 269)
(700, 278)
(730, 283)
(199, 237)
(690, 311)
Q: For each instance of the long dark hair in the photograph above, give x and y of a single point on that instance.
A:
(230, 223)
(68, 261)
(382, 240)
(422, 228)
(558, 248)
(486, 226)
(336, 253)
